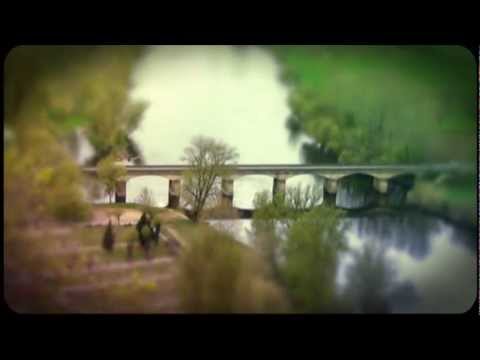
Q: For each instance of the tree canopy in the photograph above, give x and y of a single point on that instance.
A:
(49, 92)
(381, 104)
(65, 87)
(109, 173)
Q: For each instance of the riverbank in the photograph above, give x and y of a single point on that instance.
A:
(454, 204)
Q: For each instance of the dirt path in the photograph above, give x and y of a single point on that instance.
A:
(101, 216)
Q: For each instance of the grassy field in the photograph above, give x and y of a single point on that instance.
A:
(73, 273)
(128, 206)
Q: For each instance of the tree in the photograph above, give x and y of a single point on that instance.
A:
(216, 274)
(146, 238)
(109, 173)
(50, 92)
(311, 256)
(337, 97)
(109, 238)
(146, 233)
(281, 210)
(157, 224)
(146, 199)
(209, 159)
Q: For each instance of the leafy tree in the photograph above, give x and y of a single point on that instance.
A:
(146, 233)
(282, 210)
(50, 91)
(209, 159)
(109, 238)
(66, 87)
(311, 256)
(218, 275)
(381, 104)
(109, 173)
(48, 180)
(146, 238)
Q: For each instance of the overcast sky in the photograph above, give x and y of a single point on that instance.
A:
(218, 91)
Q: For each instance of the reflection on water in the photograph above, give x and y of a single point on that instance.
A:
(369, 279)
(400, 263)
(410, 232)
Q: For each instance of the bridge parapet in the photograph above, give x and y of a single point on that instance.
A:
(285, 171)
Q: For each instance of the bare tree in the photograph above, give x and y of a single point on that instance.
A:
(209, 160)
(300, 198)
(146, 199)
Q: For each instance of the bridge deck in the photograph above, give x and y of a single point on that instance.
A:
(286, 168)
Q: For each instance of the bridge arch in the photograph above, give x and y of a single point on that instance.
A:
(157, 185)
(304, 180)
(398, 188)
(356, 190)
(246, 186)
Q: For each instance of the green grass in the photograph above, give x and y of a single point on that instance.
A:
(119, 254)
(154, 209)
(459, 195)
(93, 236)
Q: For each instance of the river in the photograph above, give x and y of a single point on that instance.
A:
(413, 262)
(400, 262)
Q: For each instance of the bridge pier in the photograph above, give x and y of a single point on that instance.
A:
(381, 185)
(330, 192)
(227, 193)
(120, 192)
(174, 190)
(279, 185)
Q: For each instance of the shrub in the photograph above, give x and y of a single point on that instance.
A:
(131, 236)
(311, 255)
(219, 275)
(108, 238)
(146, 232)
(157, 220)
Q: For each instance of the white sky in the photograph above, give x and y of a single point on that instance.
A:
(216, 91)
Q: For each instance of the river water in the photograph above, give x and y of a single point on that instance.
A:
(399, 262)
(414, 263)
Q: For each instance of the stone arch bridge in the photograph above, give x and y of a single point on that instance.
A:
(383, 177)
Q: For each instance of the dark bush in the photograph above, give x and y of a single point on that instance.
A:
(109, 238)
